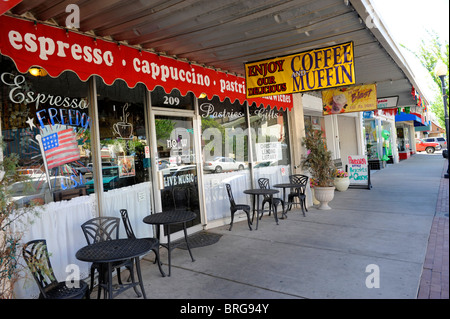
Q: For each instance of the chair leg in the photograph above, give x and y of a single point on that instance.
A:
(232, 218)
(131, 270)
(303, 206)
(92, 280)
(248, 219)
(156, 251)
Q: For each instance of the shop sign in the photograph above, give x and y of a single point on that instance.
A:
(350, 99)
(358, 169)
(387, 102)
(56, 50)
(270, 151)
(316, 69)
(6, 5)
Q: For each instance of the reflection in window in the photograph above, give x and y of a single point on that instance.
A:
(224, 135)
(270, 144)
(225, 147)
(122, 135)
(45, 121)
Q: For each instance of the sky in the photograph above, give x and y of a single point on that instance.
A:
(408, 22)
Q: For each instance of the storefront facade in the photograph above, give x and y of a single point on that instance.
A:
(343, 132)
(406, 123)
(92, 144)
(380, 136)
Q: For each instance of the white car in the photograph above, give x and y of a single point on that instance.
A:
(220, 164)
(37, 190)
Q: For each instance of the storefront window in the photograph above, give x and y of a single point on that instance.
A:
(403, 143)
(371, 133)
(315, 123)
(225, 153)
(45, 121)
(271, 145)
(123, 135)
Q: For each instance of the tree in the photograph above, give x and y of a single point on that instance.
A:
(428, 54)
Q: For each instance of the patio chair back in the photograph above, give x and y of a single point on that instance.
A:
(101, 229)
(126, 223)
(230, 195)
(37, 259)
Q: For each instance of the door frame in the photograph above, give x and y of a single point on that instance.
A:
(153, 112)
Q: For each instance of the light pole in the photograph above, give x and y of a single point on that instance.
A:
(441, 71)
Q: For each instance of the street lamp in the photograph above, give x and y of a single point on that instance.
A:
(441, 71)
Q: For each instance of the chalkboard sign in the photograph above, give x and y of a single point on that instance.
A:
(359, 171)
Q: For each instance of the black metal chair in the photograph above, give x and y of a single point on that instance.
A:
(36, 256)
(236, 207)
(130, 234)
(274, 201)
(299, 192)
(101, 229)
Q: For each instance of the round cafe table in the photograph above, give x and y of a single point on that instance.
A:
(168, 218)
(107, 252)
(288, 206)
(261, 192)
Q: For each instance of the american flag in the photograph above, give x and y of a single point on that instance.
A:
(60, 148)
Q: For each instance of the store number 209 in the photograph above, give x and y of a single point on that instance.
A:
(170, 100)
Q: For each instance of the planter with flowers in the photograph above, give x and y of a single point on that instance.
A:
(318, 161)
(313, 184)
(341, 180)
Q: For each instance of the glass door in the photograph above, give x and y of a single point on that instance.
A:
(177, 165)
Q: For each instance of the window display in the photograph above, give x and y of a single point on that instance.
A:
(45, 121)
(123, 135)
(225, 149)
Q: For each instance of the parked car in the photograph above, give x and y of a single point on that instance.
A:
(440, 140)
(220, 164)
(110, 179)
(429, 147)
(37, 190)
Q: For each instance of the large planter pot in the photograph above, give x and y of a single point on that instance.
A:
(342, 183)
(315, 201)
(324, 195)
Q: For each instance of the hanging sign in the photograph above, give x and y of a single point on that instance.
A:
(56, 50)
(316, 69)
(387, 102)
(6, 5)
(350, 99)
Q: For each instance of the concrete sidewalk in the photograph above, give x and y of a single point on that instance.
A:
(369, 237)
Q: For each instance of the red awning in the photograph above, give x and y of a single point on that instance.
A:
(56, 49)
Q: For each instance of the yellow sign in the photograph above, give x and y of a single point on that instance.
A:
(307, 71)
(351, 99)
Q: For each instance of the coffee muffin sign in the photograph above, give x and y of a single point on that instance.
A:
(350, 99)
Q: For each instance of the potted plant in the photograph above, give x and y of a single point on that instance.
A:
(312, 184)
(321, 166)
(341, 180)
(10, 215)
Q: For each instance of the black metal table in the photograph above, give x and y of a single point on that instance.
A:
(107, 252)
(170, 218)
(258, 192)
(284, 186)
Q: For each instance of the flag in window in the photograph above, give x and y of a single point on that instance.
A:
(60, 148)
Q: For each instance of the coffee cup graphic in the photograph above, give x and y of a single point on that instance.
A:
(124, 129)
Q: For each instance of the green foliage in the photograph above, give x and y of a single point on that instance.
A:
(10, 246)
(318, 159)
(429, 53)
